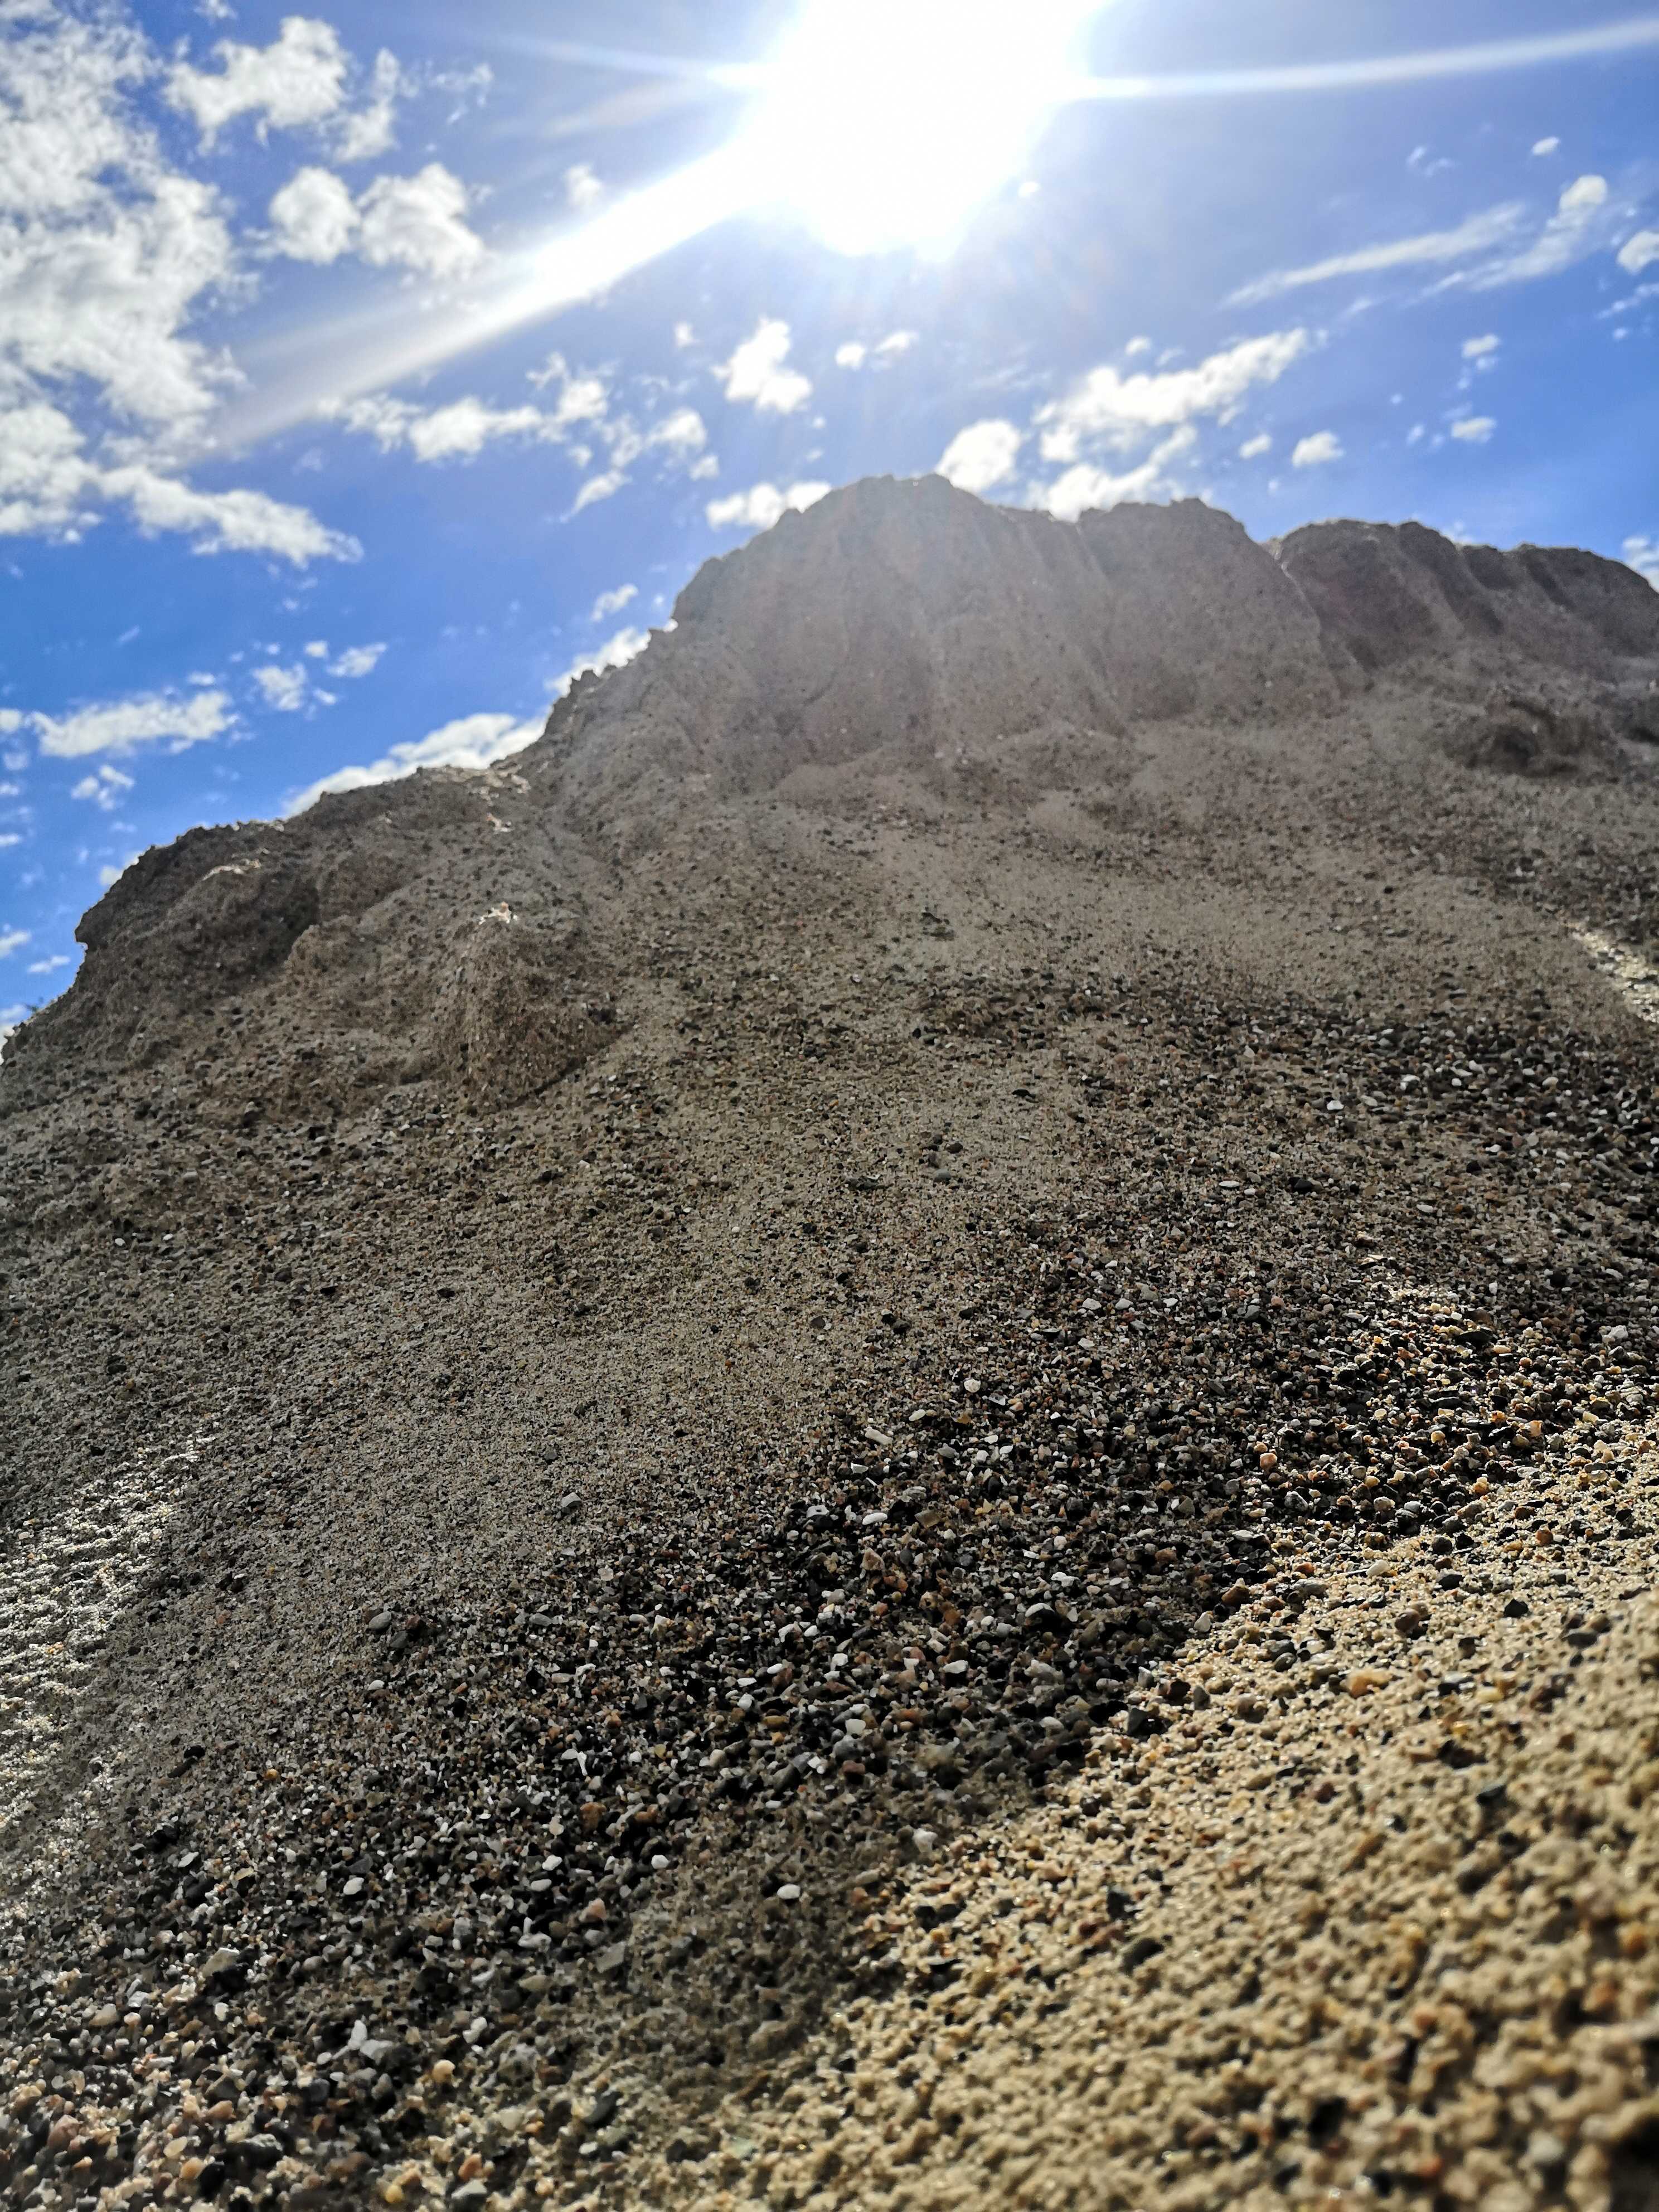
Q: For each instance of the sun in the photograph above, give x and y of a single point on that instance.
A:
(885, 123)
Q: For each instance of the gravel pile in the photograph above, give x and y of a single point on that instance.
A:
(930, 1484)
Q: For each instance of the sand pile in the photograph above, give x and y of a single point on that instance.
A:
(882, 1433)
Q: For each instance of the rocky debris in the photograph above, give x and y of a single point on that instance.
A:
(850, 1427)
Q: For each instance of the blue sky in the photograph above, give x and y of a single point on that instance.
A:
(363, 373)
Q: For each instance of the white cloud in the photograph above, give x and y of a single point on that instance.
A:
(284, 689)
(577, 420)
(121, 725)
(1481, 349)
(761, 505)
(104, 788)
(357, 660)
(49, 487)
(1314, 453)
(227, 521)
(1121, 410)
(1572, 231)
(582, 187)
(12, 940)
(1474, 429)
(583, 396)
(1481, 233)
(612, 603)
(983, 454)
(1253, 448)
(682, 431)
(313, 217)
(299, 78)
(458, 431)
(107, 256)
(475, 741)
(113, 874)
(755, 373)
(615, 652)
(47, 483)
(1643, 555)
(408, 222)
(854, 352)
(416, 223)
(1083, 487)
(685, 336)
(372, 131)
(318, 649)
(606, 485)
(1639, 252)
(10, 719)
(53, 961)
(1546, 146)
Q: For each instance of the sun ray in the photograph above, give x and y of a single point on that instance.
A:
(1382, 70)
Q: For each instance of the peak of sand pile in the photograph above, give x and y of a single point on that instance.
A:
(883, 1434)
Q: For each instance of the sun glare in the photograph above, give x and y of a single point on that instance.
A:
(886, 122)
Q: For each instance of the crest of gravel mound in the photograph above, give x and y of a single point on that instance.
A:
(409, 930)
(1549, 653)
(899, 617)
(1392, 594)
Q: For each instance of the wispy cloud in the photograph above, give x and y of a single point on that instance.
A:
(1581, 219)
(1479, 233)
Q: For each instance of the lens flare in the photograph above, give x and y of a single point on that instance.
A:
(885, 123)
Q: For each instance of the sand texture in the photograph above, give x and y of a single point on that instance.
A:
(883, 1434)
